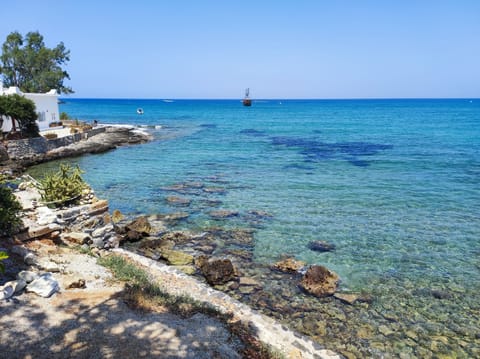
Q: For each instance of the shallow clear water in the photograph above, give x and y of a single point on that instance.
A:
(394, 184)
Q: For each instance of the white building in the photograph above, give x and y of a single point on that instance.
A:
(46, 105)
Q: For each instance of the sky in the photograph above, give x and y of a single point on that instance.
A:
(279, 49)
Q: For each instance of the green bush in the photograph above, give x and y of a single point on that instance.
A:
(62, 187)
(3, 256)
(64, 116)
(9, 210)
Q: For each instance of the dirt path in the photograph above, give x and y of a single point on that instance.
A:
(94, 322)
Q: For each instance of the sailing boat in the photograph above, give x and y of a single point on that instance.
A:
(246, 100)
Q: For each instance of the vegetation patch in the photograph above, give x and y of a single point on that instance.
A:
(62, 187)
(9, 209)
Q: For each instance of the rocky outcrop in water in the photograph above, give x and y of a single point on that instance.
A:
(215, 270)
(320, 281)
(289, 265)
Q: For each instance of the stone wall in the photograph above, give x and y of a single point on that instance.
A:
(31, 147)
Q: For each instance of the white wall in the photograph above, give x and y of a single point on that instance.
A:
(46, 106)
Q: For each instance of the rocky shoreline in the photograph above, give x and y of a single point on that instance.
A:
(91, 227)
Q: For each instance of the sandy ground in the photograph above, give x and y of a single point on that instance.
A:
(94, 322)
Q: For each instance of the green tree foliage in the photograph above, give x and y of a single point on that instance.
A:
(23, 110)
(9, 210)
(61, 187)
(33, 67)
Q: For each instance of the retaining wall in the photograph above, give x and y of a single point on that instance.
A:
(31, 147)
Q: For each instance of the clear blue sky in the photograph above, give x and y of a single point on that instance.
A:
(280, 49)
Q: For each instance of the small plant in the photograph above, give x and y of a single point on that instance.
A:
(62, 187)
(3, 256)
(64, 116)
(9, 209)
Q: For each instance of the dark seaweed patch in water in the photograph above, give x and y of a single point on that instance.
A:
(316, 151)
(252, 132)
(297, 166)
(208, 125)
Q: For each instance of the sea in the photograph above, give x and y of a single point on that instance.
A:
(393, 185)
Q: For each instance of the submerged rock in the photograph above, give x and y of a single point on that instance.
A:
(223, 213)
(179, 201)
(289, 265)
(320, 281)
(321, 246)
(216, 271)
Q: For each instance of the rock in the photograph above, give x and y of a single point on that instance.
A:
(3, 154)
(47, 265)
(28, 257)
(176, 258)
(223, 213)
(217, 190)
(11, 288)
(98, 207)
(190, 270)
(216, 271)
(289, 265)
(137, 229)
(249, 282)
(349, 298)
(180, 237)
(117, 216)
(102, 231)
(319, 281)
(141, 225)
(27, 276)
(80, 283)
(76, 238)
(43, 230)
(321, 246)
(260, 214)
(172, 217)
(45, 285)
(6, 291)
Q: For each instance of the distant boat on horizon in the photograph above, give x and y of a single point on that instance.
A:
(246, 100)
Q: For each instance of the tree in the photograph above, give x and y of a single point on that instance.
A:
(29, 65)
(22, 110)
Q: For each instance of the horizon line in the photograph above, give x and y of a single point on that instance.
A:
(268, 99)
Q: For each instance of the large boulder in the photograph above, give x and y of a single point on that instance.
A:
(320, 281)
(140, 225)
(135, 230)
(215, 270)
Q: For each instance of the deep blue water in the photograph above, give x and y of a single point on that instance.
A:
(394, 184)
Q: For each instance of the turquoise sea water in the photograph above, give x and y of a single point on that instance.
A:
(393, 184)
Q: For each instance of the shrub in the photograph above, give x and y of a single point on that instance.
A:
(3, 256)
(62, 187)
(9, 210)
(64, 116)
